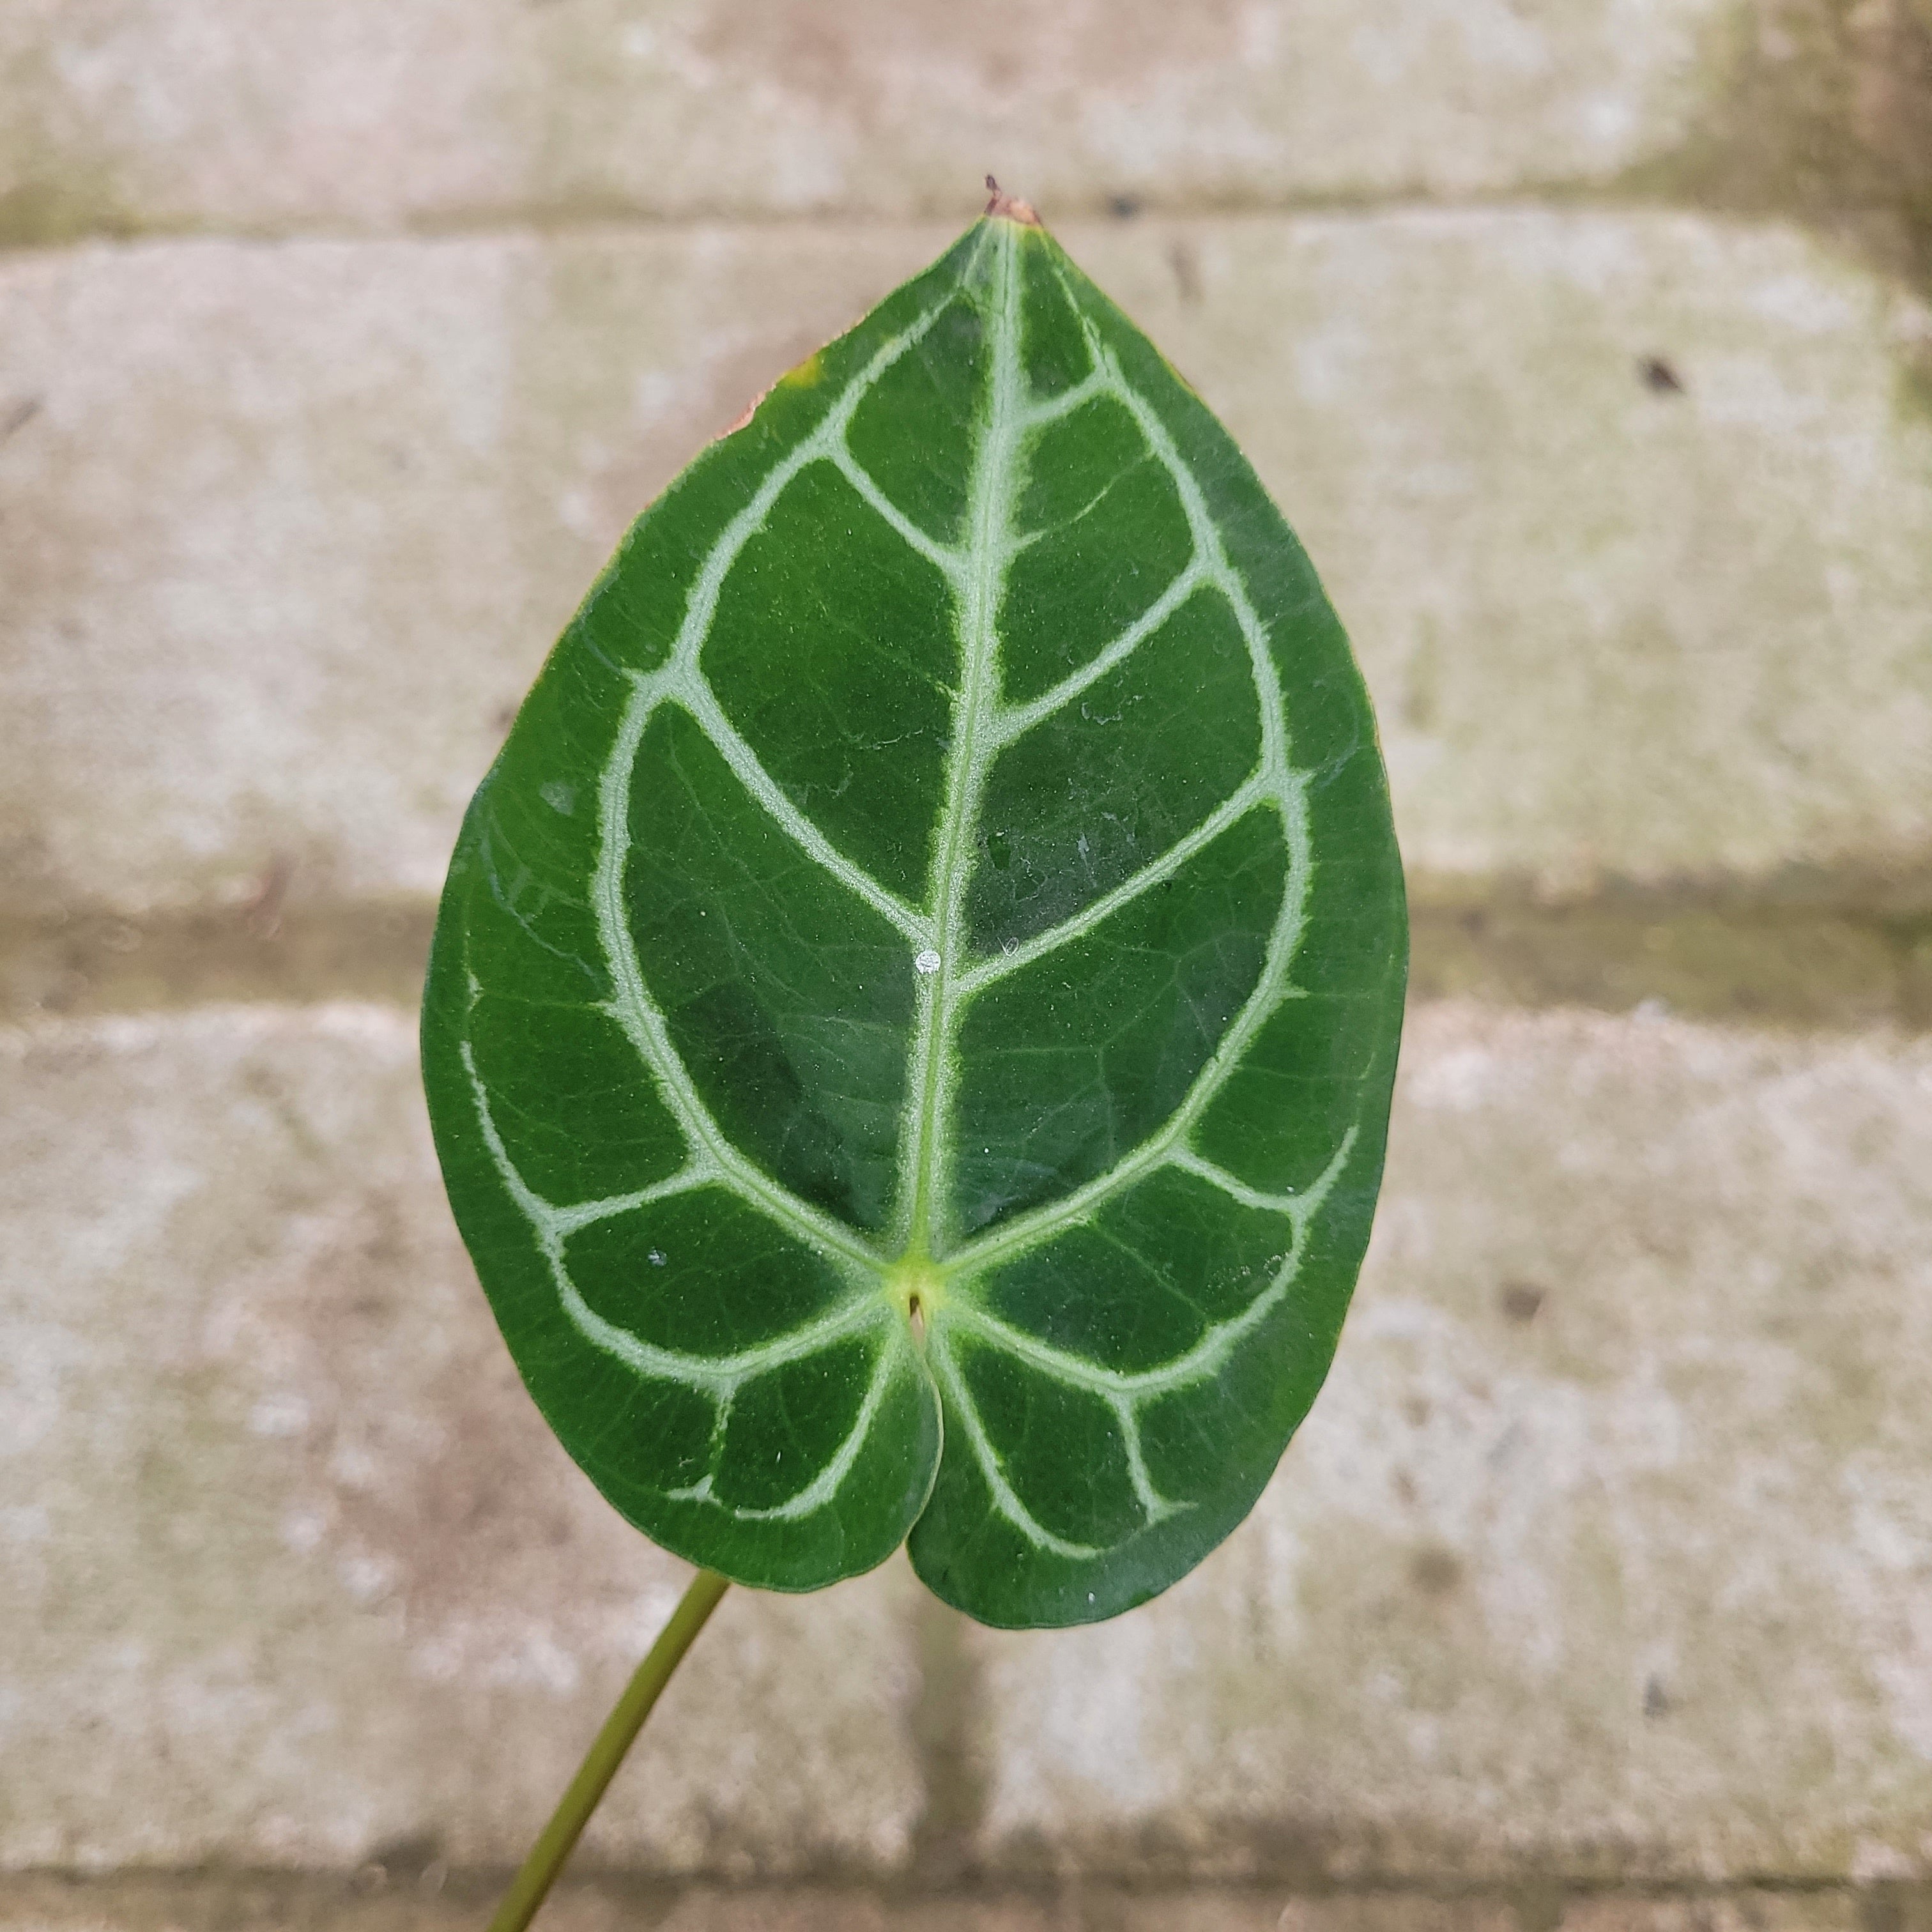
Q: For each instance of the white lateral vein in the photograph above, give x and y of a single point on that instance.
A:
(1005, 1500)
(1011, 722)
(951, 562)
(694, 693)
(831, 1479)
(567, 1221)
(633, 1007)
(637, 1013)
(1093, 383)
(1219, 569)
(1204, 1359)
(1189, 1161)
(718, 1376)
(1287, 786)
(1271, 988)
(1238, 803)
(1154, 1506)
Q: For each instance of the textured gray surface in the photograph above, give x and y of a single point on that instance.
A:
(294, 525)
(1604, 1555)
(244, 113)
(294, 1571)
(1607, 1546)
(376, 1902)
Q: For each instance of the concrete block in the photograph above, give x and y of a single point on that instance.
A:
(126, 115)
(1606, 1554)
(288, 528)
(1746, 1909)
(1265, 1909)
(140, 1903)
(1630, 517)
(897, 109)
(294, 1575)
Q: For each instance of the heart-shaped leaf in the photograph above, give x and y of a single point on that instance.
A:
(912, 1015)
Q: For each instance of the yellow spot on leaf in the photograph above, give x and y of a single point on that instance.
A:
(807, 373)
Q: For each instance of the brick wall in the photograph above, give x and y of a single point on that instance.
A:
(337, 346)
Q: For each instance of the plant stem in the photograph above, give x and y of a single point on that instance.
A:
(539, 1870)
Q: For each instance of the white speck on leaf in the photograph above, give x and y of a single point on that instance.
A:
(559, 796)
(656, 1257)
(927, 961)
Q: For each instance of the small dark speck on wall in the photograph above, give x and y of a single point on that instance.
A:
(1659, 376)
(1187, 272)
(17, 418)
(1435, 1571)
(1522, 1302)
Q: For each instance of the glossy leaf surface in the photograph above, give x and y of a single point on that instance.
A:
(912, 1015)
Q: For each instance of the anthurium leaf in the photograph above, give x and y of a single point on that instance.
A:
(912, 1015)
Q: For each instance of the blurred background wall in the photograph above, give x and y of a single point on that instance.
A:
(1586, 343)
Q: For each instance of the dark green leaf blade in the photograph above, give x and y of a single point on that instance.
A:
(912, 1017)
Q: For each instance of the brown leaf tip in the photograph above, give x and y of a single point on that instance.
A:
(1009, 206)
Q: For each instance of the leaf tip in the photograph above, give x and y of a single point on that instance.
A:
(1009, 207)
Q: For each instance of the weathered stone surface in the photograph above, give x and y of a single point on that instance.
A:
(294, 1573)
(207, 113)
(1612, 629)
(288, 528)
(1764, 964)
(1607, 1553)
(372, 1902)
(1749, 1908)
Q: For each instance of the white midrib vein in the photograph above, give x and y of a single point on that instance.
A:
(984, 725)
(681, 679)
(989, 522)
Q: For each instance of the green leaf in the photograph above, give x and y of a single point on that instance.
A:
(911, 1019)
